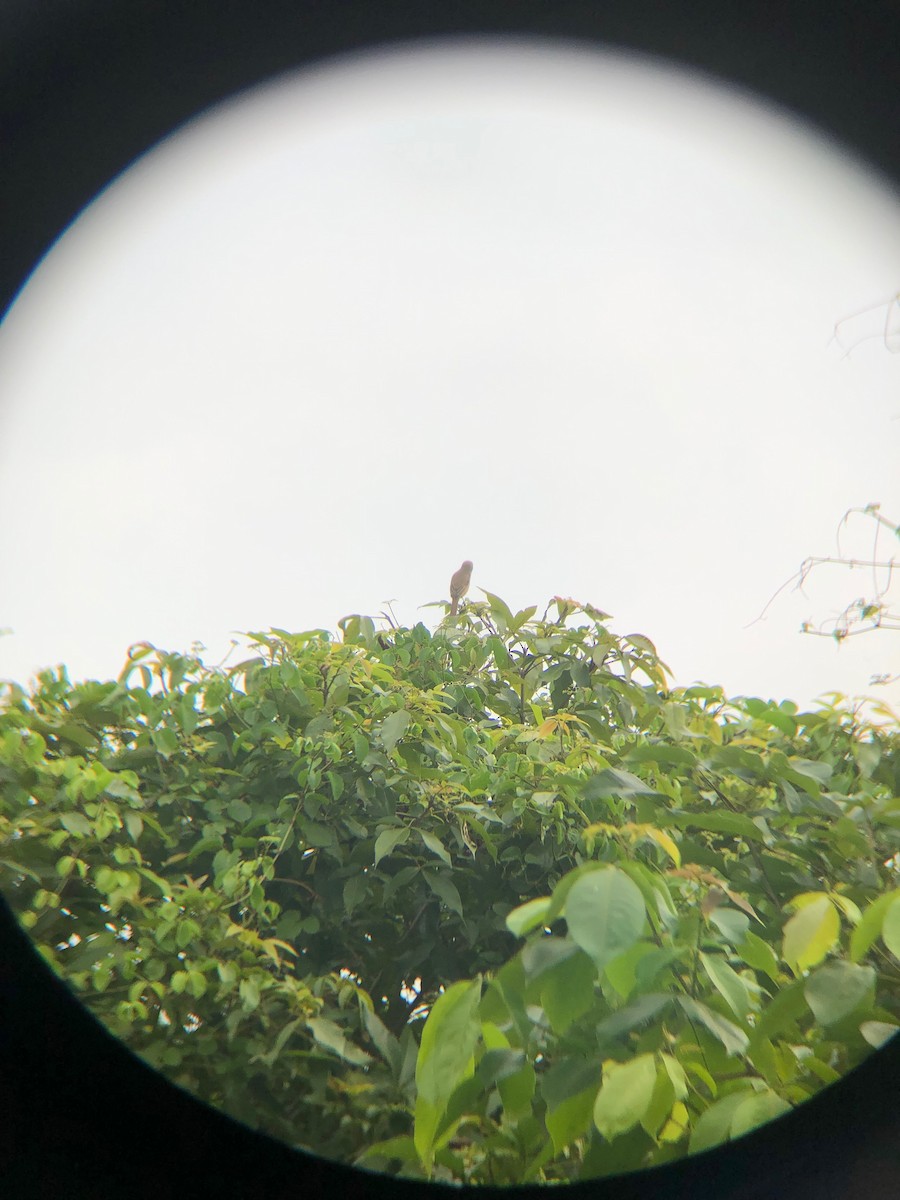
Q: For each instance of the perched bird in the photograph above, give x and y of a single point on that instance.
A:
(459, 585)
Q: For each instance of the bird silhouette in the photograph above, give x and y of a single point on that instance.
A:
(459, 585)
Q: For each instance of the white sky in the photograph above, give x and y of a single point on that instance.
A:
(564, 313)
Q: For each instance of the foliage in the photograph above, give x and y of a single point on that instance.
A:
(639, 921)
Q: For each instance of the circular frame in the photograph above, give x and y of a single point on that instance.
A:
(86, 86)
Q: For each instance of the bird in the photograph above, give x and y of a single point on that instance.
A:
(459, 585)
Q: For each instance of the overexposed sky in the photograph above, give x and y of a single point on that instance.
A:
(563, 312)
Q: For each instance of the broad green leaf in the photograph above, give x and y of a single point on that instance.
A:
(240, 810)
(249, 993)
(332, 1037)
(444, 888)
(730, 1035)
(402, 1148)
(661, 752)
(387, 841)
(759, 954)
(517, 1090)
(354, 893)
(757, 1109)
(728, 983)
(387, 1045)
(714, 1125)
(449, 1038)
(605, 914)
(765, 1060)
(613, 782)
(625, 1094)
(393, 729)
(427, 1119)
(836, 989)
(567, 991)
(733, 925)
(527, 916)
(890, 929)
(877, 1033)
(676, 1074)
(435, 846)
(165, 741)
(660, 1105)
(634, 1015)
(810, 934)
(544, 952)
(522, 617)
(76, 822)
(870, 925)
(499, 609)
(621, 971)
(571, 1118)
(134, 824)
(786, 1008)
(717, 822)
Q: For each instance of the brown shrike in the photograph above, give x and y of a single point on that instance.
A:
(459, 585)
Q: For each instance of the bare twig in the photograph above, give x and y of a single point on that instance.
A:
(865, 614)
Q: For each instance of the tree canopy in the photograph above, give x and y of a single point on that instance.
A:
(489, 904)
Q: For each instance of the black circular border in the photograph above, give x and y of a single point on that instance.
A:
(86, 86)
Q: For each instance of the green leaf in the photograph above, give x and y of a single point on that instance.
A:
(877, 1033)
(528, 916)
(835, 990)
(786, 1008)
(638, 1013)
(387, 1045)
(248, 991)
(625, 1095)
(354, 893)
(240, 811)
(733, 925)
(165, 741)
(444, 888)
(730, 1035)
(393, 729)
(759, 954)
(755, 1110)
(76, 822)
(810, 934)
(499, 610)
(728, 983)
(280, 1042)
(517, 1090)
(387, 841)
(621, 971)
(676, 1074)
(662, 753)
(449, 1038)
(332, 1037)
(870, 925)
(571, 1118)
(605, 914)
(717, 822)
(714, 1125)
(890, 929)
(612, 782)
(134, 824)
(660, 1105)
(401, 1148)
(567, 991)
(435, 845)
